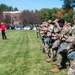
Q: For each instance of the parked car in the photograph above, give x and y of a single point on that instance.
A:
(10, 27)
(27, 28)
(17, 28)
(34, 28)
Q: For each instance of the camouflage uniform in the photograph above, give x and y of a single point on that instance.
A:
(43, 35)
(47, 38)
(71, 55)
(55, 40)
(51, 41)
(72, 68)
(38, 31)
(62, 55)
(61, 37)
(56, 43)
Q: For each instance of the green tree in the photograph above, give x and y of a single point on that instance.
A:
(68, 17)
(45, 14)
(67, 5)
(48, 13)
(4, 7)
(15, 9)
(1, 16)
(7, 19)
(10, 8)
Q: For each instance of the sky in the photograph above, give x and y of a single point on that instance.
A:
(32, 4)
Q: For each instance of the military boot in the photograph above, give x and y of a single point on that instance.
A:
(46, 55)
(67, 67)
(56, 69)
(49, 60)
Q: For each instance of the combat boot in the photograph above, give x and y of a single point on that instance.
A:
(47, 56)
(49, 60)
(56, 69)
(67, 67)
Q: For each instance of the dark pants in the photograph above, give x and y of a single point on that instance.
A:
(3, 34)
(62, 59)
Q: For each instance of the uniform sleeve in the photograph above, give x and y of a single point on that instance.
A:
(58, 29)
(71, 41)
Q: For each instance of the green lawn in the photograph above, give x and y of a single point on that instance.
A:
(21, 55)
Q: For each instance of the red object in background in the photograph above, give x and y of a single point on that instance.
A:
(3, 27)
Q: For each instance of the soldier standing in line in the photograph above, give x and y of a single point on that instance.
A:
(49, 33)
(56, 43)
(37, 31)
(64, 33)
(43, 35)
(46, 38)
(71, 55)
(71, 52)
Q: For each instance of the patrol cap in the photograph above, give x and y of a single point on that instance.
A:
(49, 21)
(68, 24)
(61, 21)
(45, 24)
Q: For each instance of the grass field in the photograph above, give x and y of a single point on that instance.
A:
(21, 55)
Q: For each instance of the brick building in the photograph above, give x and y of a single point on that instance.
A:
(15, 16)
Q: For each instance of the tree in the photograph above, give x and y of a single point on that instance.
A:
(15, 9)
(45, 14)
(7, 19)
(29, 17)
(10, 8)
(1, 16)
(4, 7)
(67, 5)
(59, 15)
(48, 13)
(68, 17)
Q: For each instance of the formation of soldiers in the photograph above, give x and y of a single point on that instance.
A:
(58, 43)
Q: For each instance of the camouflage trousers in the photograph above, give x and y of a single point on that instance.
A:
(54, 50)
(38, 35)
(62, 59)
(72, 68)
(46, 44)
(71, 71)
(56, 44)
(52, 53)
(46, 48)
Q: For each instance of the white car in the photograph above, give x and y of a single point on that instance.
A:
(27, 28)
(17, 28)
(34, 28)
